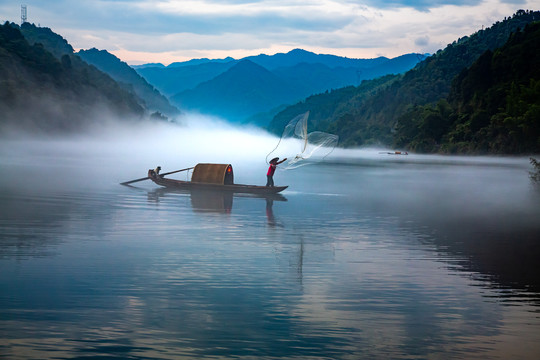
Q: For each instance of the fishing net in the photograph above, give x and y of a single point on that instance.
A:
(297, 145)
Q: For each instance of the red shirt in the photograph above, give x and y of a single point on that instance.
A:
(271, 170)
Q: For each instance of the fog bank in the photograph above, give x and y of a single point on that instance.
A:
(118, 152)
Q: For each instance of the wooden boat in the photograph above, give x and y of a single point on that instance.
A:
(213, 177)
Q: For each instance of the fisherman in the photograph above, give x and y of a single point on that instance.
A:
(155, 172)
(271, 170)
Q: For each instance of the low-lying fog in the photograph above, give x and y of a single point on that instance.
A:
(119, 153)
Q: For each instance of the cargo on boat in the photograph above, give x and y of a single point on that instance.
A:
(215, 177)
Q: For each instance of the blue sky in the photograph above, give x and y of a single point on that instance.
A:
(142, 31)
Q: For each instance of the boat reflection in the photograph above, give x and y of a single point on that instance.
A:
(217, 201)
(203, 201)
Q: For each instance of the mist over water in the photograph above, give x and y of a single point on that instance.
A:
(366, 254)
(123, 151)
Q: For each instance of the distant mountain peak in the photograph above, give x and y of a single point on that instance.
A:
(246, 64)
(147, 65)
(246, 69)
(53, 42)
(300, 51)
(200, 61)
(123, 73)
(96, 52)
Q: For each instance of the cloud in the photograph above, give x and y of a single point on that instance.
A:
(422, 41)
(197, 17)
(173, 30)
(426, 5)
(420, 4)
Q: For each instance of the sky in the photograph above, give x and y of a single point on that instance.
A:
(166, 31)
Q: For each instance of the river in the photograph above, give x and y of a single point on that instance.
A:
(365, 256)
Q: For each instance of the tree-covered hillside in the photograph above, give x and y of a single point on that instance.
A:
(493, 106)
(330, 110)
(54, 43)
(41, 91)
(128, 78)
(427, 83)
(148, 97)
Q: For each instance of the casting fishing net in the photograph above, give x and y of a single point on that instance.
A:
(297, 145)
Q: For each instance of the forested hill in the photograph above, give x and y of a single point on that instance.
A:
(371, 118)
(126, 76)
(147, 96)
(40, 91)
(493, 106)
(54, 43)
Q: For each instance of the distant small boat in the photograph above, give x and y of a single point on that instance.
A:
(394, 153)
(213, 177)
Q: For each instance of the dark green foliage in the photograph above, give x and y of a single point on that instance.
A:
(431, 81)
(422, 128)
(53, 42)
(495, 104)
(330, 112)
(127, 78)
(409, 113)
(41, 91)
(488, 111)
(34, 57)
(535, 173)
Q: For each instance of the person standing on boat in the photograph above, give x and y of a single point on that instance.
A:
(271, 170)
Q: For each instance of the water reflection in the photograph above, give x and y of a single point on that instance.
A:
(330, 271)
(270, 212)
(212, 201)
(217, 201)
(503, 253)
(35, 225)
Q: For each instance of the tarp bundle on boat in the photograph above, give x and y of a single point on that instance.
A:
(221, 174)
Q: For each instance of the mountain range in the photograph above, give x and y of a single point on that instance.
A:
(480, 94)
(418, 111)
(240, 89)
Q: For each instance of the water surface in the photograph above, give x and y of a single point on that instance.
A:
(364, 256)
